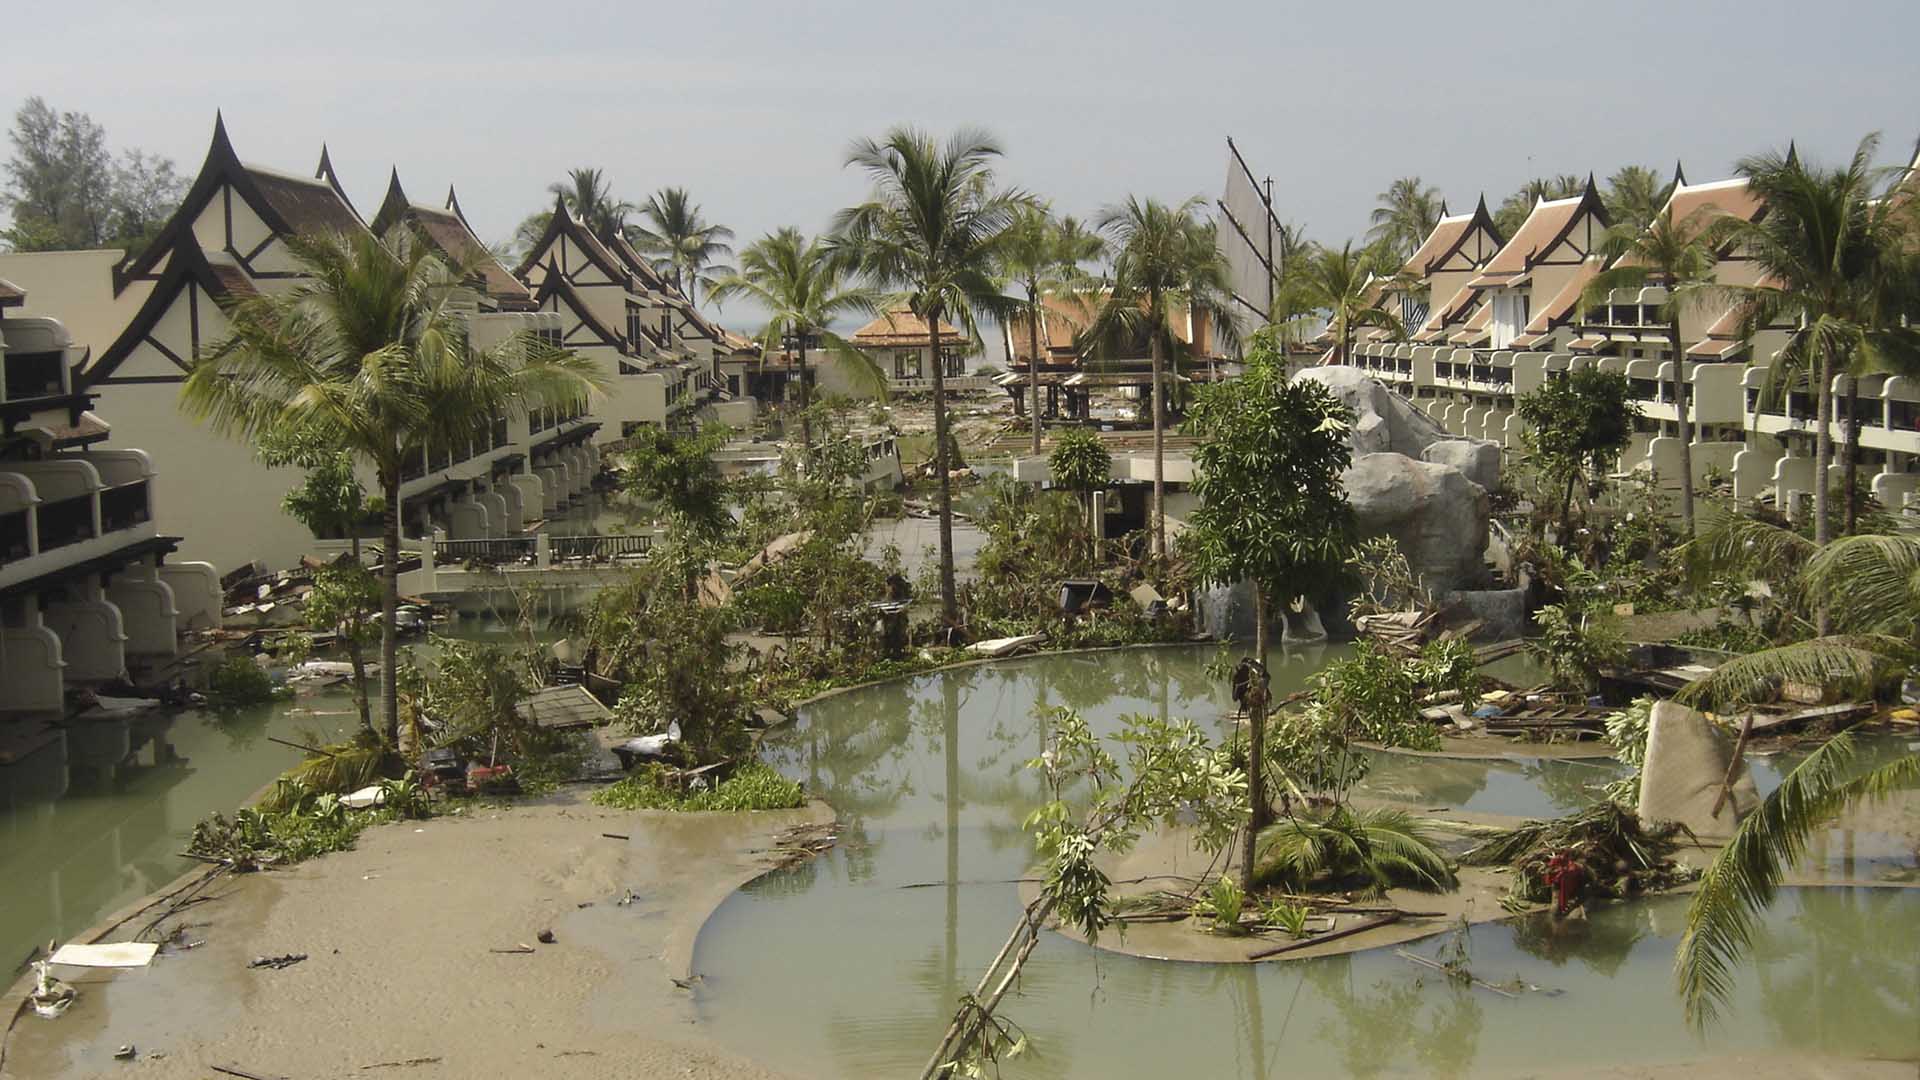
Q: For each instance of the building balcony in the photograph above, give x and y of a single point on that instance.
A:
(61, 511)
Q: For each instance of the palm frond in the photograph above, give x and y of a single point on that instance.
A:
(1745, 876)
(1850, 664)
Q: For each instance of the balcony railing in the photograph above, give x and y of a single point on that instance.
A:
(124, 506)
(600, 548)
(65, 521)
(498, 551)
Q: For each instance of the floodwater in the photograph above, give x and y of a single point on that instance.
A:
(838, 968)
(92, 826)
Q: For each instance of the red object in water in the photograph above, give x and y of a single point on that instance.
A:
(1567, 877)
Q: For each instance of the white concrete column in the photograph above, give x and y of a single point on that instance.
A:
(32, 665)
(147, 610)
(93, 639)
(533, 496)
(197, 597)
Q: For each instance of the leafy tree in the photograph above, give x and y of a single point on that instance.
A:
(1165, 264)
(1634, 196)
(65, 191)
(1080, 463)
(1577, 427)
(1408, 210)
(686, 247)
(365, 354)
(1836, 258)
(1272, 509)
(1514, 208)
(588, 197)
(678, 474)
(932, 229)
(1680, 256)
(804, 290)
(1338, 282)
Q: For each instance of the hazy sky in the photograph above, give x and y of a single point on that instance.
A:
(751, 104)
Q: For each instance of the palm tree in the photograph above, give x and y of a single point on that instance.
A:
(365, 354)
(1407, 212)
(804, 290)
(1871, 587)
(1042, 256)
(685, 246)
(931, 229)
(1165, 264)
(589, 198)
(1337, 282)
(1680, 256)
(1635, 195)
(1833, 257)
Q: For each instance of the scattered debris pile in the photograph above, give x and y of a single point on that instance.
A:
(1605, 851)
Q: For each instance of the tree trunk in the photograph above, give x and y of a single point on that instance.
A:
(1346, 338)
(1033, 362)
(1159, 510)
(806, 398)
(389, 609)
(354, 657)
(1566, 509)
(1681, 396)
(1823, 450)
(1853, 454)
(1256, 741)
(949, 611)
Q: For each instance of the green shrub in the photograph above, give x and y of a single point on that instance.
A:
(754, 786)
(238, 683)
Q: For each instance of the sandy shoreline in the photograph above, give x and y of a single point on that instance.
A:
(398, 933)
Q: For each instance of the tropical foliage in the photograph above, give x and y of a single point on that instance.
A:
(1368, 851)
(685, 246)
(1408, 210)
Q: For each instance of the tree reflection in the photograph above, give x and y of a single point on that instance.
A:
(1435, 1021)
(1841, 974)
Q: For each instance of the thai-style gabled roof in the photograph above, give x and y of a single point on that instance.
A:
(187, 265)
(1477, 329)
(1733, 197)
(554, 285)
(324, 171)
(1448, 237)
(1448, 314)
(562, 225)
(1560, 310)
(289, 205)
(903, 327)
(638, 264)
(1546, 227)
(1062, 320)
(448, 232)
(11, 295)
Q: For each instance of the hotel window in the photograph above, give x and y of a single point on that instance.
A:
(906, 365)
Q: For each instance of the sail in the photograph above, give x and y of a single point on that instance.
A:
(1248, 237)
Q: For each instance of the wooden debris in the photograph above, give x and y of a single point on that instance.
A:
(1358, 928)
(408, 1063)
(277, 962)
(1436, 965)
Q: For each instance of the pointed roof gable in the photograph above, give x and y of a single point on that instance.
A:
(1723, 196)
(1558, 311)
(902, 327)
(554, 285)
(187, 265)
(562, 225)
(1449, 237)
(448, 232)
(1449, 313)
(1546, 227)
(288, 204)
(325, 172)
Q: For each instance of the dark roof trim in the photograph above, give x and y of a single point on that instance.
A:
(325, 172)
(563, 224)
(188, 266)
(556, 285)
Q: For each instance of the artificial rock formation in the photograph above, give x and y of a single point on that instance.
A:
(1413, 481)
(1684, 771)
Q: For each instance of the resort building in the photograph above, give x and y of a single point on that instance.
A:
(142, 318)
(1509, 322)
(1072, 368)
(897, 342)
(87, 594)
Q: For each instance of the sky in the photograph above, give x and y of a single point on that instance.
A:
(751, 105)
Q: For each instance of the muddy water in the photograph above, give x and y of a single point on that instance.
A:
(841, 967)
(85, 831)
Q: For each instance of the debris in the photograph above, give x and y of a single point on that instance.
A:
(1360, 927)
(1605, 850)
(1007, 646)
(626, 898)
(370, 796)
(234, 1070)
(119, 954)
(584, 904)
(1687, 764)
(616, 836)
(50, 996)
(687, 983)
(125, 1053)
(408, 1063)
(544, 937)
(285, 960)
(647, 746)
(1449, 972)
(517, 950)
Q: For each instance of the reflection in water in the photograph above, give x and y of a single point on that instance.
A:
(97, 818)
(834, 969)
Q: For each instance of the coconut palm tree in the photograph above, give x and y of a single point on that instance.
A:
(931, 229)
(1165, 264)
(1635, 195)
(1871, 587)
(1680, 256)
(589, 198)
(1337, 282)
(804, 290)
(1041, 257)
(366, 355)
(1833, 256)
(685, 247)
(1407, 212)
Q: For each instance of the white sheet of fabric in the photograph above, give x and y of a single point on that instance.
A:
(117, 954)
(1687, 758)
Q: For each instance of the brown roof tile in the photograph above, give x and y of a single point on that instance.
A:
(1546, 224)
(307, 206)
(1559, 309)
(903, 328)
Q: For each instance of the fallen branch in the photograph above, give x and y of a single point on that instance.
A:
(402, 1064)
(517, 950)
(1451, 974)
(234, 1070)
(1357, 928)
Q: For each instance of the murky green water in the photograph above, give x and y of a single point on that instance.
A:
(835, 969)
(86, 832)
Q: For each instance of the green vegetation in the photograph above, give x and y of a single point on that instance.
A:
(685, 246)
(1367, 851)
(237, 683)
(1576, 428)
(753, 786)
(65, 190)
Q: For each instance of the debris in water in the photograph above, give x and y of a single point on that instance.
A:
(517, 950)
(277, 962)
(50, 996)
(544, 937)
(405, 1064)
(125, 1053)
(119, 954)
(687, 983)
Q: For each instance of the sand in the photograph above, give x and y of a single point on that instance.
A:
(398, 933)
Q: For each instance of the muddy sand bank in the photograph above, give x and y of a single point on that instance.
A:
(400, 936)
